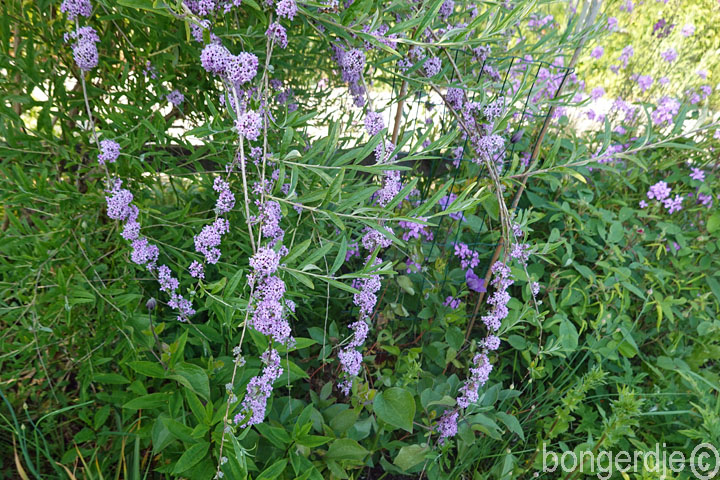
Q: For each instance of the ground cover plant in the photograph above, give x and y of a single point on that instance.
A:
(286, 239)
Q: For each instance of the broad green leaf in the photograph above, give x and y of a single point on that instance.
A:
(149, 369)
(411, 455)
(274, 470)
(395, 406)
(191, 456)
(346, 449)
(193, 377)
(512, 423)
(151, 400)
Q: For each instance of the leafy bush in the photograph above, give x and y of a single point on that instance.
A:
(316, 240)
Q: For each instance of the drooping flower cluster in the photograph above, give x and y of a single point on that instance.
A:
(366, 299)
(474, 283)
(109, 151)
(665, 111)
(374, 238)
(391, 183)
(662, 28)
(479, 374)
(352, 64)
(269, 309)
(412, 266)
(286, 9)
(197, 31)
(451, 302)
(270, 216)
(644, 82)
(85, 52)
(537, 22)
(669, 55)
(120, 207)
(659, 191)
(277, 34)
(481, 367)
(75, 8)
(207, 241)
(241, 68)
(374, 123)
(673, 204)
(502, 279)
(259, 390)
(350, 358)
(175, 97)
(415, 230)
(447, 425)
(697, 174)
(520, 252)
(626, 54)
(249, 125)
(196, 270)
(455, 97)
(432, 66)
(210, 7)
(597, 93)
(478, 121)
(468, 258)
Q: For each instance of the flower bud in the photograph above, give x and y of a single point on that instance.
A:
(517, 136)
(151, 304)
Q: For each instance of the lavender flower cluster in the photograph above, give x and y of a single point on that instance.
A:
(85, 52)
(120, 207)
(661, 192)
(481, 367)
(349, 357)
(259, 389)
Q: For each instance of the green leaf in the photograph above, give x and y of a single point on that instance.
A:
(152, 400)
(340, 258)
(346, 449)
(298, 250)
(193, 377)
(275, 435)
(179, 430)
(411, 455)
(191, 457)
(713, 223)
(274, 470)
(568, 335)
(197, 407)
(512, 423)
(141, 4)
(304, 279)
(406, 284)
(454, 337)
(395, 406)
(110, 378)
(430, 14)
(617, 232)
(714, 286)
(312, 441)
(149, 369)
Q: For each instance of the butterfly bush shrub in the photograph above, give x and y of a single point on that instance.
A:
(328, 264)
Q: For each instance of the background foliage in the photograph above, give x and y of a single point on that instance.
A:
(620, 353)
